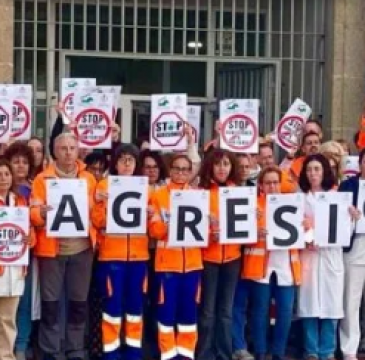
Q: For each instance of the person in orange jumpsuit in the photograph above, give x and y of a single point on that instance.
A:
(178, 272)
(122, 270)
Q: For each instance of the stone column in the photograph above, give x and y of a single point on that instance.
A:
(346, 61)
(6, 40)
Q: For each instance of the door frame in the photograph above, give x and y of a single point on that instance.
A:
(126, 106)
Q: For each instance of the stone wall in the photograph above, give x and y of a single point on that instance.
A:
(6, 40)
(345, 52)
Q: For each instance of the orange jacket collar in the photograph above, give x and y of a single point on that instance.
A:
(51, 170)
(173, 186)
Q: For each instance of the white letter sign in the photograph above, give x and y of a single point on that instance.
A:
(284, 221)
(93, 117)
(333, 224)
(6, 112)
(69, 199)
(289, 129)
(127, 205)
(189, 223)
(168, 116)
(14, 226)
(239, 125)
(237, 215)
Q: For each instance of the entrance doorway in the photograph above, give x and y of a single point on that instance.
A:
(136, 118)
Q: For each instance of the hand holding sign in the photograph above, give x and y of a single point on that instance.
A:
(262, 233)
(189, 134)
(44, 210)
(214, 227)
(354, 213)
(101, 196)
(27, 240)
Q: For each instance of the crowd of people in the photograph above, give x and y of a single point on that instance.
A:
(111, 297)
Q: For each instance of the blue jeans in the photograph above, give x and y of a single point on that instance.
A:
(24, 315)
(239, 316)
(284, 301)
(320, 337)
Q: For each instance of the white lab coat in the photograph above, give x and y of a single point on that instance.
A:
(322, 287)
(12, 280)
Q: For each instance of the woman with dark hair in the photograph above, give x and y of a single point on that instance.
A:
(36, 145)
(12, 281)
(177, 271)
(96, 163)
(320, 302)
(221, 264)
(153, 167)
(122, 269)
(21, 160)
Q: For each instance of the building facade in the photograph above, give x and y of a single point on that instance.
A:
(273, 50)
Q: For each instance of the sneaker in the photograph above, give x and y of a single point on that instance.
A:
(242, 354)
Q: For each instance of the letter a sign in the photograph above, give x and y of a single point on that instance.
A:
(69, 217)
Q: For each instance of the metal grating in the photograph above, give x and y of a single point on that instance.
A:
(289, 31)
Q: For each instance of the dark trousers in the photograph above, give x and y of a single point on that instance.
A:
(215, 321)
(73, 272)
(261, 300)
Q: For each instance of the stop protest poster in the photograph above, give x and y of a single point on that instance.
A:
(168, 117)
(69, 87)
(289, 129)
(6, 112)
(14, 226)
(239, 125)
(93, 115)
(21, 128)
(194, 117)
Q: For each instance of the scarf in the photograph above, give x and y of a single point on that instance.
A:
(62, 174)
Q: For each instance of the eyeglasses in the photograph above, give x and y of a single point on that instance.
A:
(181, 170)
(126, 160)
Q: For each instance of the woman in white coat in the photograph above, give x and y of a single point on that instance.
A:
(11, 277)
(320, 302)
